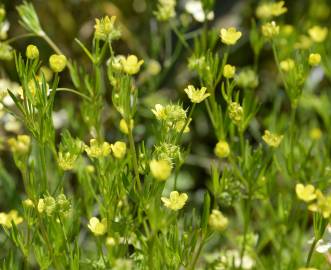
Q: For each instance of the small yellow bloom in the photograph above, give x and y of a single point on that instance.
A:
(98, 149)
(57, 62)
(271, 139)
(222, 149)
(322, 204)
(21, 145)
(175, 201)
(96, 227)
(28, 203)
(160, 169)
(41, 206)
(314, 59)
(217, 221)
(268, 10)
(305, 193)
(32, 52)
(124, 126)
(6, 219)
(315, 134)
(287, 65)
(159, 112)
(229, 71)
(230, 36)
(318, 34)
(196, 95)
(66, 161)
(131, 65)
(118, 149)
(270, 30)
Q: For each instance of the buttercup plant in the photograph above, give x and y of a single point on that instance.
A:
(162, 135)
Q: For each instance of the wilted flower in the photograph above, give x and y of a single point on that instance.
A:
(305, 193)
(271, 139)
(222, 149)
(236, 112)
(318, 34)
(160, 169)
(118, 149)
(131, 65)
(270, 30)
(96, 227)
(230, 36)
(105, 29)
(32, 52)
(314, 59)
(57, 62)
(229, 71)
(66, 161)
(217, 221)
(175, 201)
(196, 95)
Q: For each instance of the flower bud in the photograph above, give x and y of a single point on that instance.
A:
(314, 59)
(229, 71)
(118, 149)
(32, 52)
(57, 62)
(160, 169)
(222, 149)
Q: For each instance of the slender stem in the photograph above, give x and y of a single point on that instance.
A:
(64, 89)
(180, 37)
(311, 251)
(43, 167)
(246, 223)
(13, 39)
(186, 123)
(134, 155)
(197, 254)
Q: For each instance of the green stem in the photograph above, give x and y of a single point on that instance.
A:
(246, 224)
(186, 123)
(64, 89)
(11, 40)
(134, 155)
(197, 254)
(311, 251)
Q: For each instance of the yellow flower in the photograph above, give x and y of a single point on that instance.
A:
(222, 149)
(270, 30)
(98, 149)
(217, 221)
(131, 65)
(268, 10)
(175, 201)
(159, 112)
(32, 52)
(271, 139)
(21, 145)
(105, 29)
(315, 134)
(96, 227)
(230, 36)
(124, 126)
(318, 34)
(6, 219)
(196, 95)
(28, 203)
(41, 206)
(287, 65)
(314, 59)
(305, 193)
(322, 205)
(229, 71)
(160, 169)
(57, 62)
(118, 149)
(66, 161)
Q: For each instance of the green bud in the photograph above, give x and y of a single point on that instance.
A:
(32, 52)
